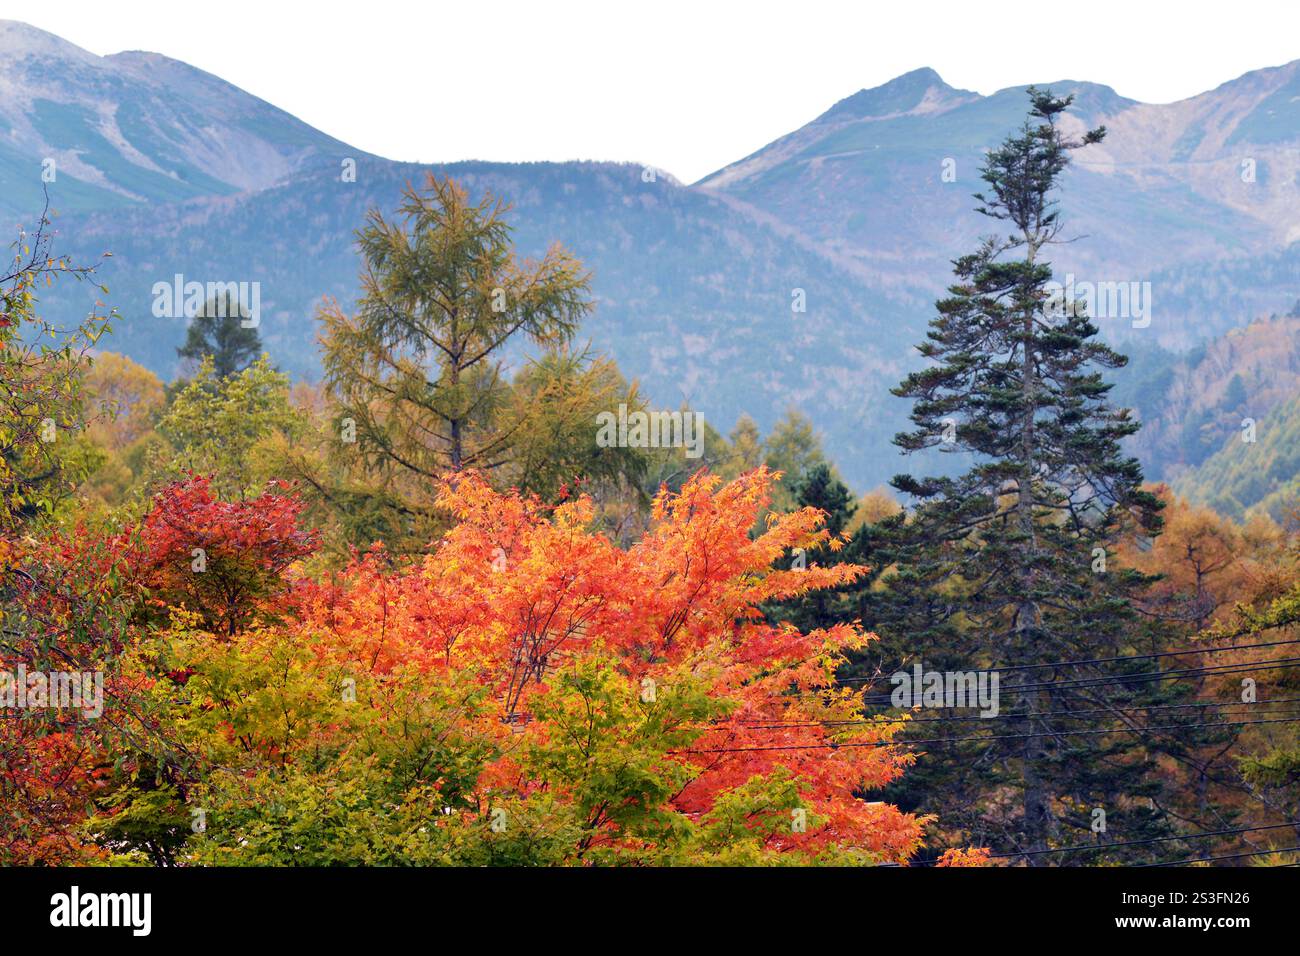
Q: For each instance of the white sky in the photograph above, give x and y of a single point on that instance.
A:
(684, 86)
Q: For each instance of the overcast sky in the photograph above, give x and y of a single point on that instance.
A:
(684, 86)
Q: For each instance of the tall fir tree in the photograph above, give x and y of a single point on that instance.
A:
(222, 329)
(1006, 565)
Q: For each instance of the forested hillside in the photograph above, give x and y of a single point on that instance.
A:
(1256, 469)
(1192, 403)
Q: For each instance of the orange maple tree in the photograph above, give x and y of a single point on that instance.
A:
(520, 594)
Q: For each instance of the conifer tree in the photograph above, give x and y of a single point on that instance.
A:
(1006, 564)
(221, 330)
(418, 368)
(819, 488)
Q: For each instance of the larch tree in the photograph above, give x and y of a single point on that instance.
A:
(417, 369)
(556, 398)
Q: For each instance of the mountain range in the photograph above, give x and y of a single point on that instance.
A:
(856, 215)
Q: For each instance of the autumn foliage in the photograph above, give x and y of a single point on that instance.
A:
(531, 603)
(527, 692)
(225, 561)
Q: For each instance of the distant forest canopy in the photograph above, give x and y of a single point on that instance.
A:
(1194, 406)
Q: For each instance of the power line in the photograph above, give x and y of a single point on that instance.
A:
(759, 724)
(1211, 671)
(1110, 846)
(1105, 660)
(980, 739)
(1232, 856)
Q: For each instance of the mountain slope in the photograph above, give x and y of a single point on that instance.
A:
(884, 179)
(1191, 404)
(693, 297)
(1261, 475)
(135, 128)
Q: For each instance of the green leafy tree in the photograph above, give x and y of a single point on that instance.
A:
(228, 427)
(43, 415)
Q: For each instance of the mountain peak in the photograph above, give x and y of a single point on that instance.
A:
(922, 76)
(902, 94)
(136, 127)
(18, 39)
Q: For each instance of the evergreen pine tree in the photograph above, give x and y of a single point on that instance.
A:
(819, 488)
(1005, 565)
(219, 330)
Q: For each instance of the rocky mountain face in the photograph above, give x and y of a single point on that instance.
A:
(801, 275)
(134, 128)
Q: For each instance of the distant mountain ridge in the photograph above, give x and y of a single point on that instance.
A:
(884, 178)
(177, 171)
(135, 128)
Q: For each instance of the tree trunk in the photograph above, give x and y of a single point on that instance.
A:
(1037, 810)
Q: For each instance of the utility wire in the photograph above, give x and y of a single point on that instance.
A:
(877, 718)
(1110, 846)
(1214, 670)
(1108, 660)
(1232, 856)
(831, 745)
